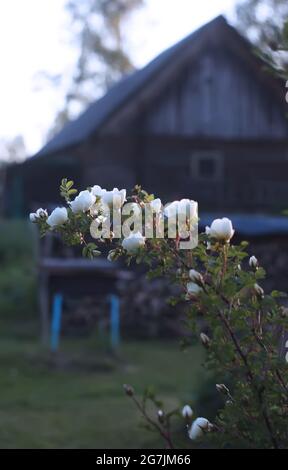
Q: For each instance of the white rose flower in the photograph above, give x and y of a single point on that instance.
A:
(253, 262)
(58, 217)
(101, 219)
(193, 289)
(135, 208)
(221, 229)
(83, 202)
(195, 276)
(198, 428)
(156, 205)
(114, 198)
(183, 207)
(132, 243)
(171, 209)
(97, 191)
(39, 214)
(187, 412)
(186, 206)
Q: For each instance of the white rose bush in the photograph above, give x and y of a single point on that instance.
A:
(239, 325)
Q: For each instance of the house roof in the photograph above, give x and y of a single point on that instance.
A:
(96, 116)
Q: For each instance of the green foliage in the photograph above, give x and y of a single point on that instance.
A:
(17, 276)
(67, 190)
(243, 323)
(265, 22)
(262, 20)
(90, 251)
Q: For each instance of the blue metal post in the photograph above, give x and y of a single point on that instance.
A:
(56, 321)
(114, 321)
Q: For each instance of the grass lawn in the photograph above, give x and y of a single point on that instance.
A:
(76, 400)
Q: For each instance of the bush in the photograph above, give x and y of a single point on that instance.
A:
(219, 284)
(17, 276)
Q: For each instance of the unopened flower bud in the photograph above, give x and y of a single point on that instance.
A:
(258, 291)
(193, 289)
(112, 255)
(195, 276)
(187, 412)
(205, 340)
(253, 262)
(221, 388)
(284, 312)
(211, 427)
(161, 415)
(128, 390)
(39, 214)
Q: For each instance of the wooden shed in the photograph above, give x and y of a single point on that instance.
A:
(204, 119)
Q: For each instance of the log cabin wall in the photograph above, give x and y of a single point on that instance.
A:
(217, 97)
(242, 175)
(110, 161)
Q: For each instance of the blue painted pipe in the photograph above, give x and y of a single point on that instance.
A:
(56, 321)
(114, 321)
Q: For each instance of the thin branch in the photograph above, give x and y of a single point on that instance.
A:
(251, 378)
(166, 436)
(250, 374)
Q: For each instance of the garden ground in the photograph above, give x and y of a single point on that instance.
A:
(76, 400)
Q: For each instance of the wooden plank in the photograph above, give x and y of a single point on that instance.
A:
(73, 266)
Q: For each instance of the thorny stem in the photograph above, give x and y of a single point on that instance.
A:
(250, 374)
(251, 378)
(175, 253)
(277, 371)
(224, 263)
(243, 357)
(166, 435)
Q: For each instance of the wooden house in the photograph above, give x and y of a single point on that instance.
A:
(204, 119)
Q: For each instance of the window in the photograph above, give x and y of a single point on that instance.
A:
(206, 165)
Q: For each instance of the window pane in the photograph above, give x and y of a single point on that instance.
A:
(207, 167)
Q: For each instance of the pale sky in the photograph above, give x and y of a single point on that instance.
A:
(34, 37)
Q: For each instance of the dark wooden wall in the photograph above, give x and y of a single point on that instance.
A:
(219, 97)
(111, 162)
(253, 173)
